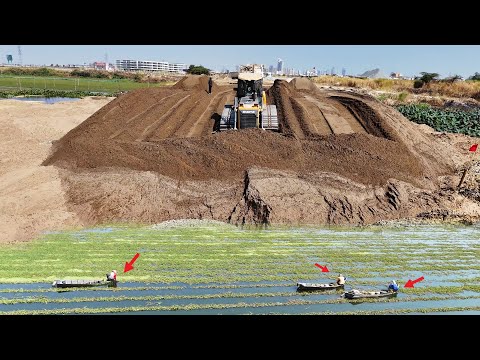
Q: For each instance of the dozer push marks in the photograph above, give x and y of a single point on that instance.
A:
(316, 121)
(196, 130)
(151, 108)
(337, 123)
(148, 132)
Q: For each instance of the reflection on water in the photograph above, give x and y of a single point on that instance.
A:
(46, 100)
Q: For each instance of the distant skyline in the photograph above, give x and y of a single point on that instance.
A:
(409, 60)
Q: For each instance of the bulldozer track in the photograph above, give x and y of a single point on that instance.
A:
(149, 130)
(293, 125)
(196, 129)
(141, 115)
(111, 111)
(317, 123)
(335, 120)
(170, 128)
(161, 101)
(351, 118)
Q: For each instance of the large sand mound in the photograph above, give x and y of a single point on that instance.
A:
(380, 161)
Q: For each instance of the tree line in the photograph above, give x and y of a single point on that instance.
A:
(427, 77)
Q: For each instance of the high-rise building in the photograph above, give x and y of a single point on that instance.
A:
(270, 69)
(279, 66)
(344, 71)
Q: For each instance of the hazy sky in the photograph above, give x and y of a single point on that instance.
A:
(406, 59)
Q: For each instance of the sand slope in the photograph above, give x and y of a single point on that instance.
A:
(31, 196)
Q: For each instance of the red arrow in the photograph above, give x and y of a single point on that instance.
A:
(129, 265)
(410, 283)
(324, 268)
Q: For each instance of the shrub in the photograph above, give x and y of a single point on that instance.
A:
(418, 83)
(428, 77)
(198, 70)
(475, 77)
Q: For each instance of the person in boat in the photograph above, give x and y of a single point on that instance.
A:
(392, 286)
(112, 276)
(341, 279)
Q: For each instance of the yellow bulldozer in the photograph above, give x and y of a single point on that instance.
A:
(250, 109)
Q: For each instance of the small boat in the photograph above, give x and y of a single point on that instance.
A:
(361, 294)
(314, 286)
(82, 283)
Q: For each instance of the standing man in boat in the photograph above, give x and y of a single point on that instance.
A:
(112, 276)
(392, 286)
(341, 279)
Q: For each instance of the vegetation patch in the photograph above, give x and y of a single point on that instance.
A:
(448, 120)
(212, 262)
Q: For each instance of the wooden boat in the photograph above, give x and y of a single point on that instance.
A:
(362, 294)
(315, 286)
(82, 283)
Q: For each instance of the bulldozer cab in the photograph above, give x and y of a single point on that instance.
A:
(249, 85)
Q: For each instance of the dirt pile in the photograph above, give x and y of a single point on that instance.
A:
(303, 84)
(123, 132)
(150, 156)
(227, 155)
(195, 82)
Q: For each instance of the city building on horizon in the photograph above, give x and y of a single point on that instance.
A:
(150, 65)
(279, 66)
(101, 65)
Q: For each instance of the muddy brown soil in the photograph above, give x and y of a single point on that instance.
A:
(338, 158)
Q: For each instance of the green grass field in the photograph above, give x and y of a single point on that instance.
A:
(72, 84)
